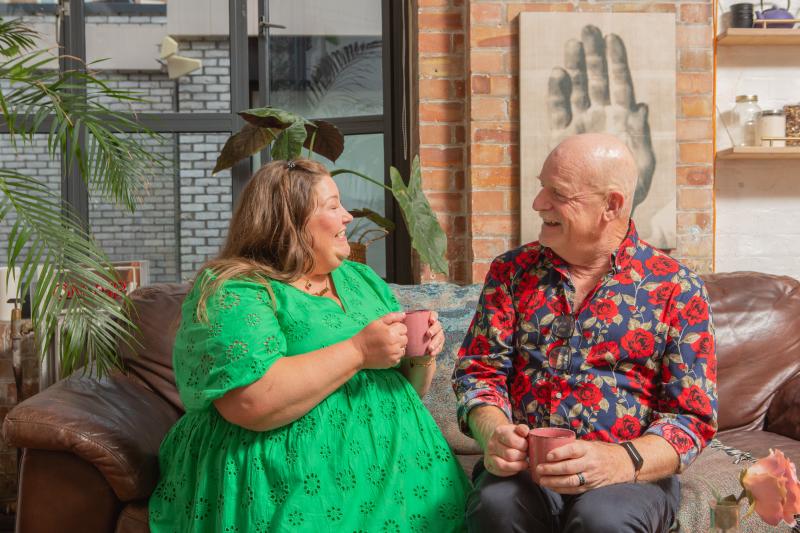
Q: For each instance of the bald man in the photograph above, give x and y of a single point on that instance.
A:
(594, 330)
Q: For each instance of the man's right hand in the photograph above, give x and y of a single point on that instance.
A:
(506, 451)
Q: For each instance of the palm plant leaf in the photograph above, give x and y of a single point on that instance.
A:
(15, 37)
(117, 160)
(345, 72)
(71, 275)
(73, 282)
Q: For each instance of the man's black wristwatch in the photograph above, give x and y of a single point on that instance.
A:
(636, 458)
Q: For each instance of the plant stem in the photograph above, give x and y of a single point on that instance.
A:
(359, 174)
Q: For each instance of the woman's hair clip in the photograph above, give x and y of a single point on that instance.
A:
(290, 165)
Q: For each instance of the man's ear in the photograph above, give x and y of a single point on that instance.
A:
(614, 203)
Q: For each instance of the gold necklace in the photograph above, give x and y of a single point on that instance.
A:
(324, 290)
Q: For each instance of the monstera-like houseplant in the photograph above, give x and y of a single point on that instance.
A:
(74, 283)
(290, 133)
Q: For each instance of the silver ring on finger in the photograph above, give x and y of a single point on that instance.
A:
(581, 479)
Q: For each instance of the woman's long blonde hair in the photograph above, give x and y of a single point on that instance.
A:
(267, 237)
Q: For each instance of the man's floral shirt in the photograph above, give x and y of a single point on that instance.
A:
(641, 356)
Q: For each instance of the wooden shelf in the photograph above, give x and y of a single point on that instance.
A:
(759, 37)
(760, 152)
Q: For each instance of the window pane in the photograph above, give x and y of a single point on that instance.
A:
(205, 200)
(328, 60)
(194, 78)
(181, 221)
(364, 153)
(147, 235)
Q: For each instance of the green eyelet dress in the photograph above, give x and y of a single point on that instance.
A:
(368, 458)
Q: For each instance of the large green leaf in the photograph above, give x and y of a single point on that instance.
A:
(327, 140)
(250, 140)
(271, 117)
(427, 237)
(289, 142)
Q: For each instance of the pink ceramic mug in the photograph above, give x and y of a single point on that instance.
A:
(417, 323)
(542, 441)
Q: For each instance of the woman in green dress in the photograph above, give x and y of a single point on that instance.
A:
(301, 412)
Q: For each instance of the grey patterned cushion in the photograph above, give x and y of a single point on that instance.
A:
(455, 305)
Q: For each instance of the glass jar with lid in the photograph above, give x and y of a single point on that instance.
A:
(771, 126)
(746, 115)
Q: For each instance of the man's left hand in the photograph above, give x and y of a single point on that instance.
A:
(599, 463)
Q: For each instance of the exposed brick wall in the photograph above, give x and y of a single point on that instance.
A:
(442, 115)
(488, 196)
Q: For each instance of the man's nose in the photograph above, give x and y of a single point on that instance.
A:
(540, 203)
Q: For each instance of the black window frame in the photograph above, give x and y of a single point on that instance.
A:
(394, 17)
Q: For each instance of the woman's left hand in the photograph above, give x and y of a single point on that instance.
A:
(435, 334)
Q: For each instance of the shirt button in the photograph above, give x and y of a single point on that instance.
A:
(558, 395)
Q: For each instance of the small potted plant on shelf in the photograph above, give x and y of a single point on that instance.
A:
(290, 133)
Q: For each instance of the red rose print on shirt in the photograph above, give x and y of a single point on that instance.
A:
(542, 391)
(501, 272)
(520, 387)
(598, 434)
(557, 306)
(640, 377)
(663, 293)
(605, 310)
(597, 353)
(561, 390)
(625, 278)
(639, 343)
(626, 428)
(695, 310)
(679, 439)
(533, 304)
(694, 399)
(711, 370)
(661, 265)
(479, 346)
(589, 395)
(704, 346)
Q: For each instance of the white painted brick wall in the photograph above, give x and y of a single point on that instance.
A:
(757, 201)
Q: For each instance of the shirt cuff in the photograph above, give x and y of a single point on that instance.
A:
(477, 398)
(685, 443)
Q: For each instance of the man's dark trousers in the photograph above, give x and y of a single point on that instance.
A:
(517, 504)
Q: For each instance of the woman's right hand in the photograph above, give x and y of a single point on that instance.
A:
(383, 342)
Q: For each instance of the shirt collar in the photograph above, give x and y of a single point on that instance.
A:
(620, 259)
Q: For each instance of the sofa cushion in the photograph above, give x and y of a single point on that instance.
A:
(455, 306)
(758, 343)
(156, 312)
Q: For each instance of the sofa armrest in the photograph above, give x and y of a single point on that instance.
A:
(783, 415)
(113, 423)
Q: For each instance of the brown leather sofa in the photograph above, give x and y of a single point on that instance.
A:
(90, 446)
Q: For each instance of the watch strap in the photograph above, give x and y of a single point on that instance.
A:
(636, 457)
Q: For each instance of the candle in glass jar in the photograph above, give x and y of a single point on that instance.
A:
(772, 124)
